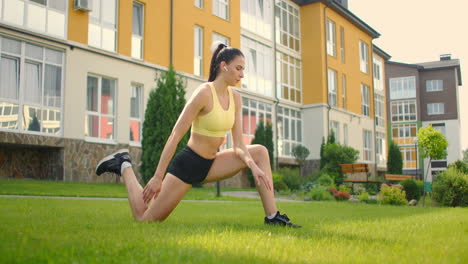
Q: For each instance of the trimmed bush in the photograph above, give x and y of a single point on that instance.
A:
(344, 188)
(450, 188)
(278, 182)
(411, 189)
(460, 166)
(373, 188)
(363, 196)
(325, 180)
(291, 177)
(320, 193)
(392, 195)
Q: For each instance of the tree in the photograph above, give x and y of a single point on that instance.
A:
(263, 136)
(300, 153)
(269, 142)
(394, 160)
(433, 145)
(322, 158)
(465, 156)
(34, 125)
(164, 106)
(331, 137)
(336, 154)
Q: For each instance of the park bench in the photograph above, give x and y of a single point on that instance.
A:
(397, 177)
(356, 173)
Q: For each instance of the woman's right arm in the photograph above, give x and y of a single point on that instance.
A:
(189, 113)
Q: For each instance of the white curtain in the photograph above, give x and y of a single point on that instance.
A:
(32, 89)
(52, 86)
(9, 78)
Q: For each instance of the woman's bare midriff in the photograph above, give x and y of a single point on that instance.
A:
(205, 146)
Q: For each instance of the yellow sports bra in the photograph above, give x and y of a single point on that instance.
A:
(218, 121)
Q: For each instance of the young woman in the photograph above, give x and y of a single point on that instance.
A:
(213, 109)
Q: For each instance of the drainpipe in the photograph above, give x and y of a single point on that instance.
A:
(275, 90)
(171, 36)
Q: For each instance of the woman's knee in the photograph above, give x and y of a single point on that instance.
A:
(259, 152)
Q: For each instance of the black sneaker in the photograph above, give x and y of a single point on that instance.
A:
(281, 220)
(113, 162)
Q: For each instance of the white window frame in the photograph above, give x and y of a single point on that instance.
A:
(379, 110)
(367, 145)
(332, 88)
(101, 24)
(257, 18)
(20, 103)
(258, 74)
(198, 51)
(293, 66)
(23, 21)
(380, 146)
(434, 85)
(404, 132)
(402, 87)
(343, 91)
(218, 5)
(219, 37)
(435, 109)
(287, 118)
(199, 3)
(331, 37)
(403, 111)
(342, 44)
(140, 112)
(260, 108)
(288, 28)
(365, 100)
(335, 127)
(137, 39)
(99, 139)
(377, 70)
(364, 56)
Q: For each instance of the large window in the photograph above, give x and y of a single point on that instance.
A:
(221, 9)
(198, 51)
(44, 16)
(434, 85)
(404, 134)
(367, 145)
(289, 126)
(102, 31)
(403, 87)
(379, 110)
(331, 38)
(31, 81)
(378, 80)
(100, 105)
(365, 100)
(221, 38)
(380, 146)
(342, 45)
(137, 30)
(335, 127)
(287, 25)
(409, 155)
(258, 75)
(288, 75)
(199, 3)
(403, 111)
(136, 112)
(343, 91)
(435, 109)
(256, 16)
(254, 112)
(364, 55)
(440, 127)
(332, 87)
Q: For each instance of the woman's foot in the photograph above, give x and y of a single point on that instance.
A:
(113, 162)
(281, 220)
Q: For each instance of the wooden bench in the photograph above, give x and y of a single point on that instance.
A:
(397, 177)
(356, 173)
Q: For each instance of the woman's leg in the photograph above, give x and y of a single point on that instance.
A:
(172, 192)
(228, 164)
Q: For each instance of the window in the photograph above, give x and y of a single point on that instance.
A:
(257, 17)
(49, 17)
(440, 127)
(409, 155)
(364, 55)
(404, 134)
(403, 110)
(345, 134)
(403, 87)
(434, 85)
(199, 4)
(253, 112)
(365, 100)
(287, 25)
(343, 91)
(289, 126)
(378, 81)
(379, 110)
(380, 146)
(288, 77)
(137, 31)
(100, 106)
(342, 44)
(31, 91)
(367, 146)
(136, 112)
(102, 31)
(218, 37)
(258, 74)
(335, 127)
(332, 87)
(435, 109)
(331, 38)
(198, 52)
(221, 9)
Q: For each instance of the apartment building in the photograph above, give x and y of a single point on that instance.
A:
(419, 95)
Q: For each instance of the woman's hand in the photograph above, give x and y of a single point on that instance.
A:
(261, 178)
(152, 189)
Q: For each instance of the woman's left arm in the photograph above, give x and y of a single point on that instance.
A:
(241, 150)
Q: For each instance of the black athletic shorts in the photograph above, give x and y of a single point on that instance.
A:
(189, 166)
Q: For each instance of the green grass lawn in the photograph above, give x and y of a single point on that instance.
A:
(74, 189)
